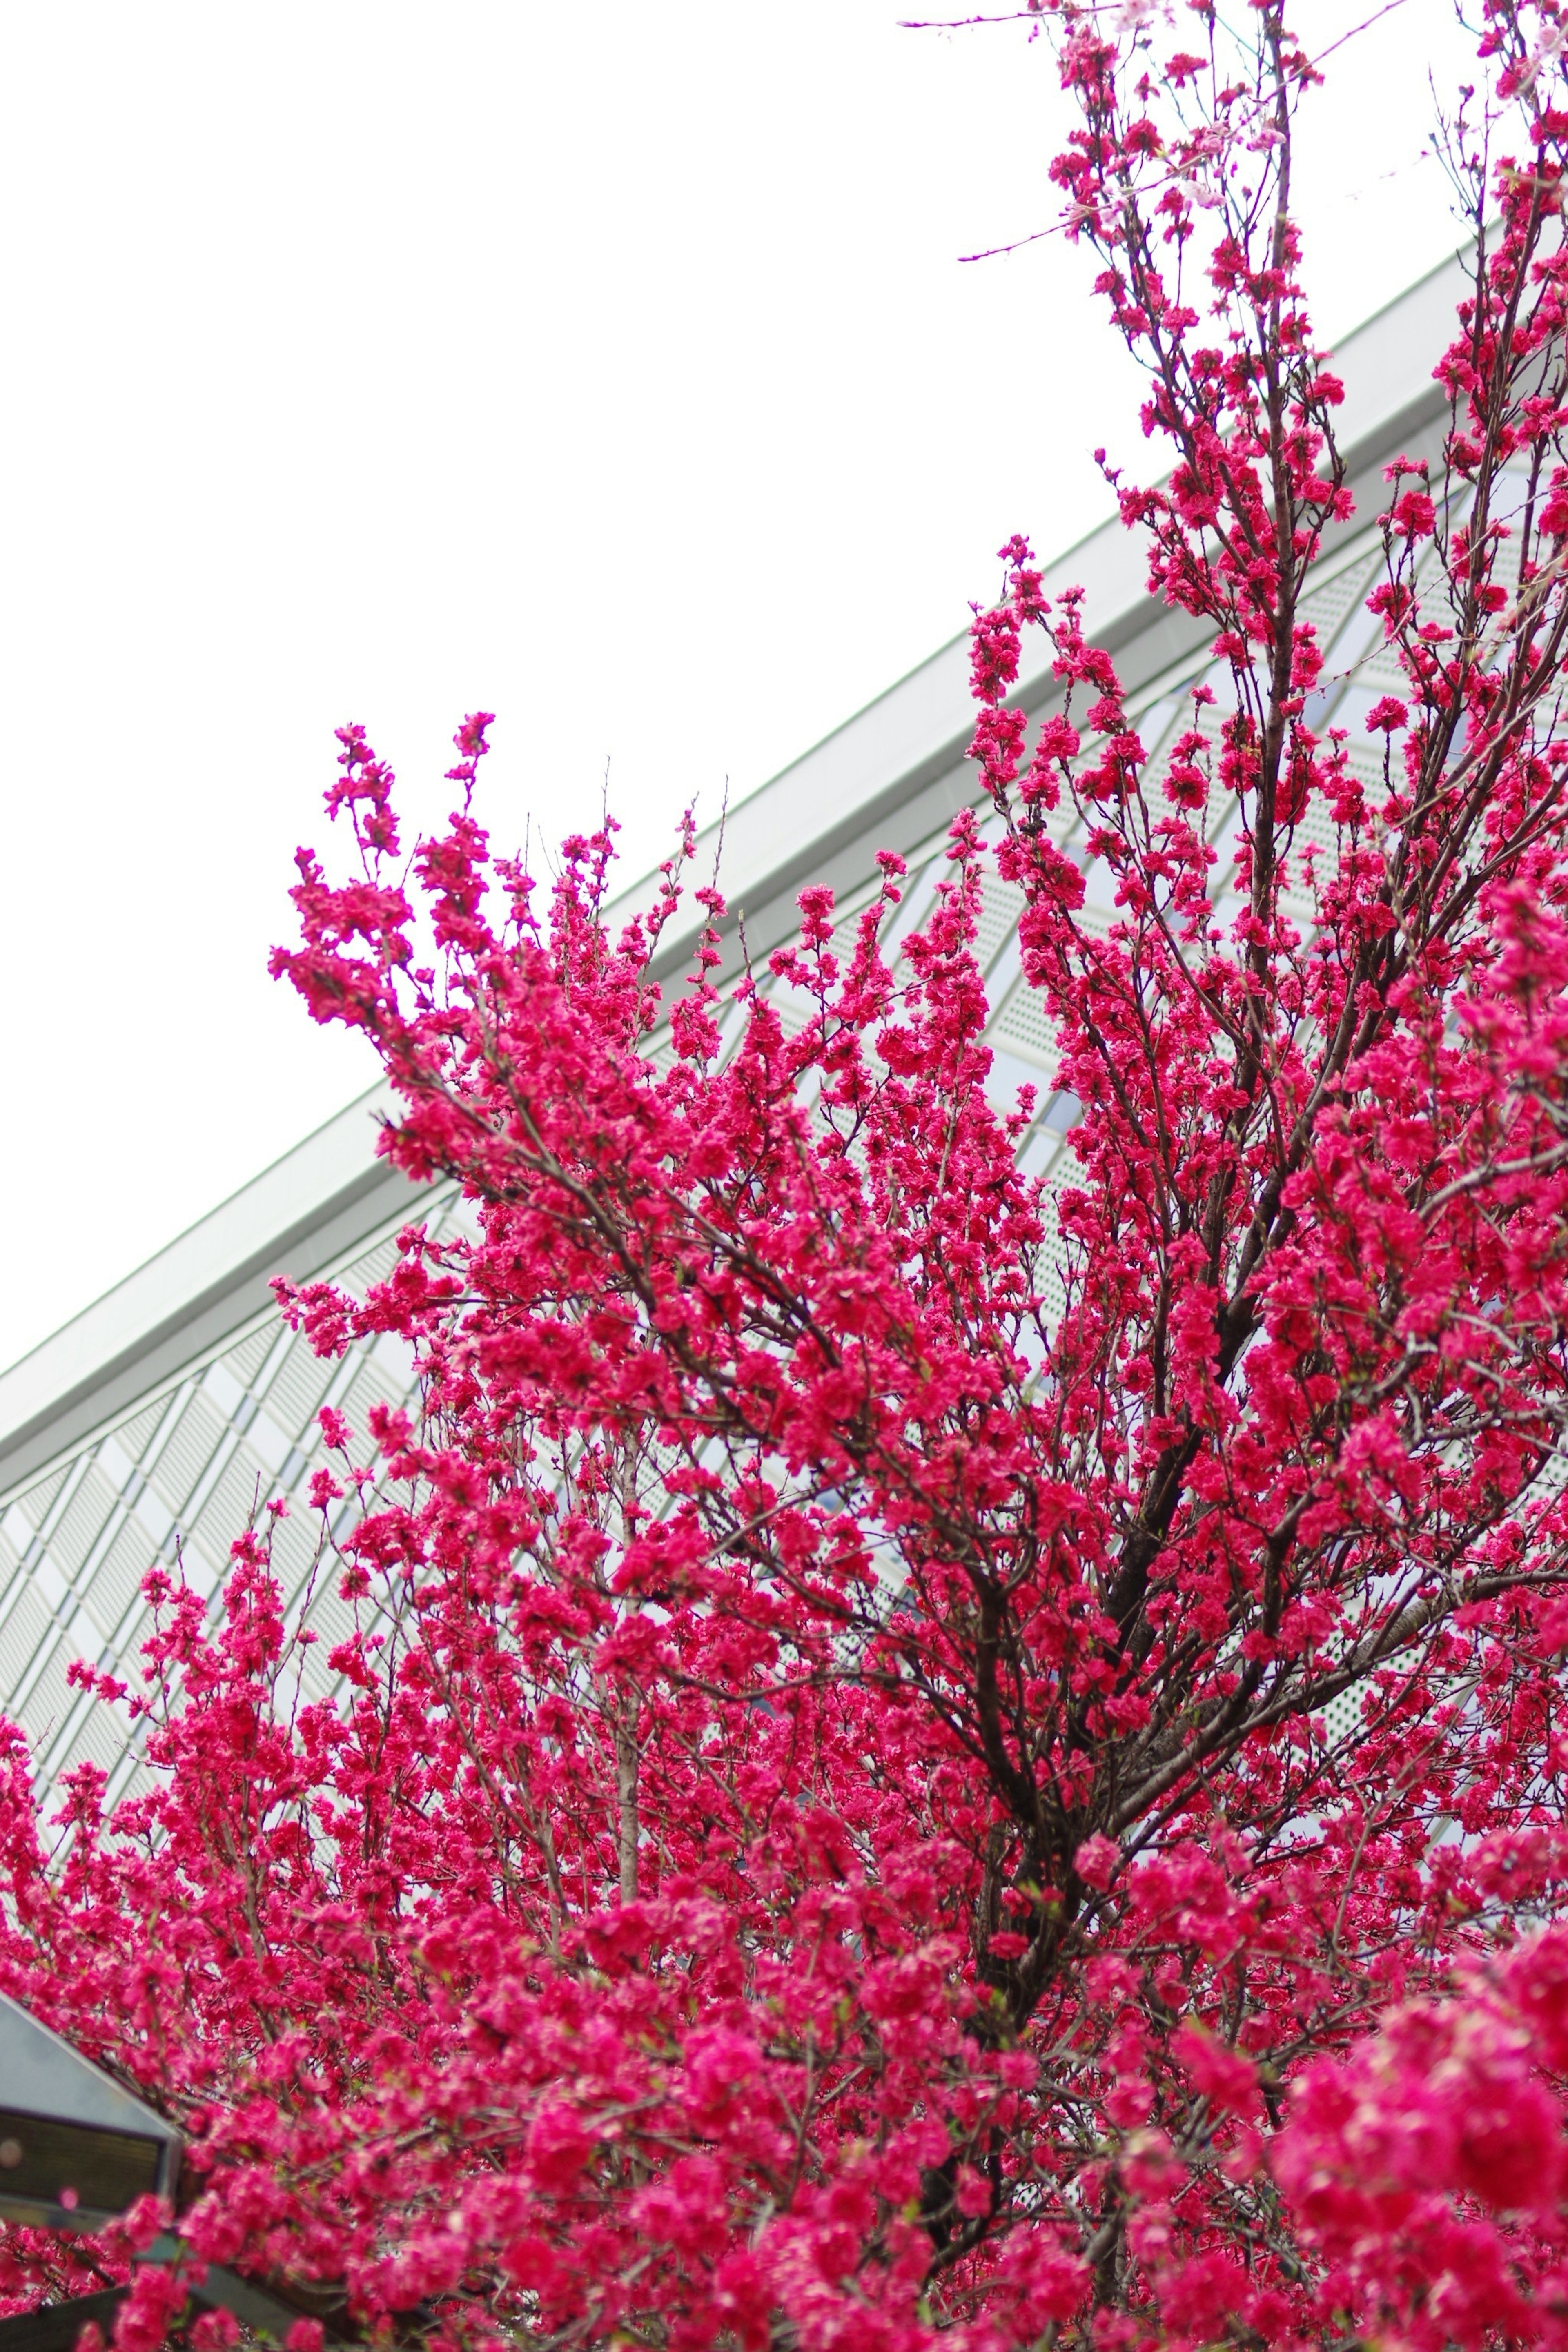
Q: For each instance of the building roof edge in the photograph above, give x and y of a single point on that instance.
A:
(330, 1183)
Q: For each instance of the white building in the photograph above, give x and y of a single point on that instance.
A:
(152, 1423)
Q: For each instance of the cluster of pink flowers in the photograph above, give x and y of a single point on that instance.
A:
(869, 1808)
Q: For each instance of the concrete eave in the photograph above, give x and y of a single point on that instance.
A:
(306, 1210)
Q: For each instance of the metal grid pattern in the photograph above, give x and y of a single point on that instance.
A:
(177, 1480)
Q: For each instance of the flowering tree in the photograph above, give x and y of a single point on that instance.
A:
(864, 1810)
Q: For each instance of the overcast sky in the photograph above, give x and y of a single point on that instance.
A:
(612, 366)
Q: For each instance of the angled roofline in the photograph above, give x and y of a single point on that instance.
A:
(311, 1206)
(45, 2077)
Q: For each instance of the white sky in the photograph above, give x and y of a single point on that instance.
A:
(611, 366)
